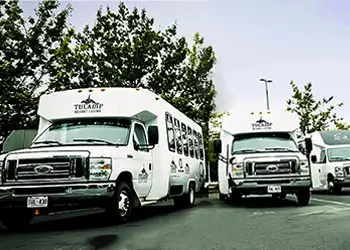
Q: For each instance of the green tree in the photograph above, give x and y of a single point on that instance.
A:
(27, 48)
(314, 114)
(122, 49)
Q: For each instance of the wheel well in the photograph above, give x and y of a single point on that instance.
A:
(329, 177)
(192, 183)
(126, 177)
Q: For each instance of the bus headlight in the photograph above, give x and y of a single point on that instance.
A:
(339, 171)
(100, 168)
(304, 167)
(237, 170)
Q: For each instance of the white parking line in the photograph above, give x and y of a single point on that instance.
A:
(331, 202)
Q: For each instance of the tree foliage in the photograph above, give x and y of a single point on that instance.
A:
(122, 49)
(314, 115)
(27, 48)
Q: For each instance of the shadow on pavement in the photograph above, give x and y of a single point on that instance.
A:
(89, 220)
(262, 202)
(344, 192)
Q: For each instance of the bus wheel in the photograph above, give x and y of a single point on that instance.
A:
(332, 187)
(16, 219)
(186, 200)
(222, 197)
(121, 206)
(236, 197)
(303, 197)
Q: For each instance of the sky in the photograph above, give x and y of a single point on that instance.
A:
(303, 41)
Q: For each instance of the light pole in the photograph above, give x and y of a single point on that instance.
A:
(267, 91)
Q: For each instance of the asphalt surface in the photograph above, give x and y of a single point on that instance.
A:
(256, 223)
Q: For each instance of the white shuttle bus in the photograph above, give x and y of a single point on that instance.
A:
(261, 156)
(115, 148)
(330, 160)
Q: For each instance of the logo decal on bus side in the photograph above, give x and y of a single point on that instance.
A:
(88, 106)
(143, 176)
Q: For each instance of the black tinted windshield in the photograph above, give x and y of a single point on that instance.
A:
(339, 154)
(263, 142)
(86, 131)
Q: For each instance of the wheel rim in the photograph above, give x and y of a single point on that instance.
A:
(124, 203)
(191, 195)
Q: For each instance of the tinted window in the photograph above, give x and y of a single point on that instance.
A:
(190, 141)
(178, 136)
(140, 137)
(195, 144)
(170, 130)
(184, 139)
(201, 146)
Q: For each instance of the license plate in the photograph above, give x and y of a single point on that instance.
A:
(274, 189)
(36, 202)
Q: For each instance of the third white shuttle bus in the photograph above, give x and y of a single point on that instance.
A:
(330, 160)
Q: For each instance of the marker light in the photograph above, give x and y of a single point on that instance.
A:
(80, 90)
(260, 113)
(137, 88)
(90, 90)
(103, 90)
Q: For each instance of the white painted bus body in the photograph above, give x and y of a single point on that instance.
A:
(158, 173)
(331, 170)
(264, 172)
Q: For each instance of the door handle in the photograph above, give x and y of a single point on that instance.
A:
(130, 156)
(319, 170)
(150, 166)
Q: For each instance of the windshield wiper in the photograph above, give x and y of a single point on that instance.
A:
(280, 149)
(247, 150)
(47, 142)
(94, 140)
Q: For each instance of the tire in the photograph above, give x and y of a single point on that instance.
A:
(222, 197)
(16, 219)
(303, 198)
(187, 200)
(332, 187)
(236, 197)
(121, 207)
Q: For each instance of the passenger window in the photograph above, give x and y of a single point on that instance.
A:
(184, 139)
(201, 146)
(178, 136)
(195, 146)
(323, 157)
(190, 141)
(170, 129)
(140, 137)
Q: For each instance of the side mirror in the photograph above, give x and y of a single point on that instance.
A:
(313, 158)
(217, 146)
(153, 135)
(308, 145)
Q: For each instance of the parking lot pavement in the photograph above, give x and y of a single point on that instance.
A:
(255, 223)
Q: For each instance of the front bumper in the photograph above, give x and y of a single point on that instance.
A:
(342, 181)
(60, 196)
(260, 186)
